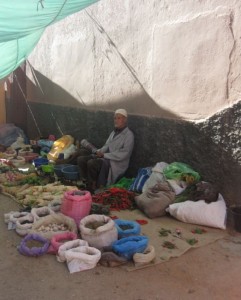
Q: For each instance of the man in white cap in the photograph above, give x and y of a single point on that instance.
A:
(112, 160)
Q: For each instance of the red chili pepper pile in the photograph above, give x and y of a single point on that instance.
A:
(116, 199)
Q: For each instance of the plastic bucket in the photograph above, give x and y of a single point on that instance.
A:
(58, 169)
(236, 215)
(71, 172)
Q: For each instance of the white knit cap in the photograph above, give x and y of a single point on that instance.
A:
(121, 111)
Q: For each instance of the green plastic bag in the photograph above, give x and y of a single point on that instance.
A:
(181, 171)
(124, 183)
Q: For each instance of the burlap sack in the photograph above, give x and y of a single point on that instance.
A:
(155, 200)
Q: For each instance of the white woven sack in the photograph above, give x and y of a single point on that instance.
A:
(82, 258)
(14, 217)
(41, 226)
(148, 256)
(67, 246)
(55, 205)
(200, 212)
(156, 176)
(40, 212)
(103, 236)
(8, 215)
(23, 229)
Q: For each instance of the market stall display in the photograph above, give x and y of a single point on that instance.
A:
(80, 228)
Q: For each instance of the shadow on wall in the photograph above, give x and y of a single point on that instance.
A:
(46, 91)
(156, 139)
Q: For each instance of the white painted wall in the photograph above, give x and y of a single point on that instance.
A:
(165, 58)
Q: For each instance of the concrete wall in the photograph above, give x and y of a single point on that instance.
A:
(174, 65)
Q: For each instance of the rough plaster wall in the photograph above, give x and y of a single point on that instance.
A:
(153, 57)
(192, 73)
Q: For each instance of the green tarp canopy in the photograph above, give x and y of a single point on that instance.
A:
(22, 22)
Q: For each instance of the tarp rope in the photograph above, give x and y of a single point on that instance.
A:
(28, 106)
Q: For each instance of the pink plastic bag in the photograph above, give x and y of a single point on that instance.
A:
(55, 242)
(76, 204)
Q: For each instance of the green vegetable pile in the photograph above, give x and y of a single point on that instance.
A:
(33, 180)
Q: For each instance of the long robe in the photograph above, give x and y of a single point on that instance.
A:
(118, 150)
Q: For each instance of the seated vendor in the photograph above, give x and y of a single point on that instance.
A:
(104, 166)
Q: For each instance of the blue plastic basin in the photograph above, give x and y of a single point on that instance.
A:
(71, 172)
(58, 169)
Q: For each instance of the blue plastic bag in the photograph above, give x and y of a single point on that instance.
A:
(128, 246)
(9, 134)
(135, 228)
(142, 176)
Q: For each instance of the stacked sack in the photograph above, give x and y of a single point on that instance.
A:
(84, 243)
(118, 240)
(131, 244)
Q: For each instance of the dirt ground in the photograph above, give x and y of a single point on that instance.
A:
(210, 272)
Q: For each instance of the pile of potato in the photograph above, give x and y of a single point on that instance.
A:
(53, 227)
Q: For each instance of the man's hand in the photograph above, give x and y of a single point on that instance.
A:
(99, 154)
